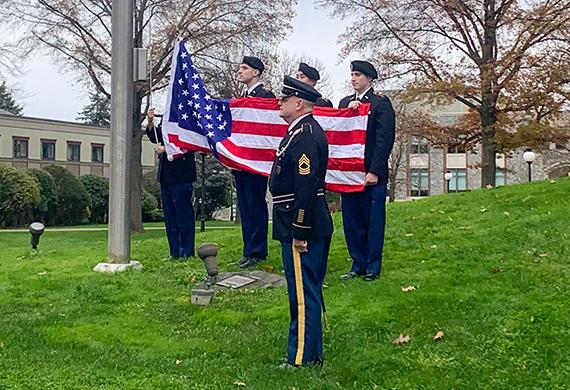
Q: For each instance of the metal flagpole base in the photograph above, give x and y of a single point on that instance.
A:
(114, 267)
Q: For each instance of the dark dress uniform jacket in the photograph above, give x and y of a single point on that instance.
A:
(323, 102)
(178, 171)
(297, 184)
(380, 133)
(261, 92)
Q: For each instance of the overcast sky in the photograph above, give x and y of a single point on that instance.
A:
(46, 91)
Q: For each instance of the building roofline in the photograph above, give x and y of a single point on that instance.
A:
(53, 121)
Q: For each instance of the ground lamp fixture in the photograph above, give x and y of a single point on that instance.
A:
(529, 156)
(36, 230)
(448, 176)
(205, 296)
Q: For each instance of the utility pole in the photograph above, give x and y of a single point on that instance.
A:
(119, 247)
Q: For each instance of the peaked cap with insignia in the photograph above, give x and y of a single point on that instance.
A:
(294, 87)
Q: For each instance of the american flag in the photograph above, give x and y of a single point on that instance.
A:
(244, 133)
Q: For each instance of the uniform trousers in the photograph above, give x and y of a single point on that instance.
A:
(251, 190)
(305, 273)
(178, 218)
(364, 220)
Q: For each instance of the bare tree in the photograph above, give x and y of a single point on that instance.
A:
(79, 33)
(498, 57)
(287, 63)
(412, 123)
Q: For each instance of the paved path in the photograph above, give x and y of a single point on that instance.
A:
(103, 229)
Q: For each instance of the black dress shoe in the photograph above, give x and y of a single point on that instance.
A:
(370, 277)
(243, 260)
(348, 276)
(251, 261)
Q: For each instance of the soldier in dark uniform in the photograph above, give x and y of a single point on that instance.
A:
(310, 75)
(301, 219)
(175, 178)
(364, 213)
(251, 188)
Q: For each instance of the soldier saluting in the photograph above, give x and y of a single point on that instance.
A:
(301, 219)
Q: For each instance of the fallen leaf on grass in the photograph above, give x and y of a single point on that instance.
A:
(438, 336)
(543, 254)
(496, 270)
(464, 227)
(483, 210)
(238, 383)
(269, 268)
(178, 362)
(553, 181)
(409, 288)
(42, 273)
(506, 214)
(489, 186)
(402, 339)
(433, 247)
(409, 234)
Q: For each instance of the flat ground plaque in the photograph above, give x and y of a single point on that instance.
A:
(236, 281)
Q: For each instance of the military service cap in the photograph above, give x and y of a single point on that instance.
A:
(309, 71)
(364, 67)
(294, 87)
(254, 62)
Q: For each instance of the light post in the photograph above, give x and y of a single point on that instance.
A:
(529, 156)
(448, 176)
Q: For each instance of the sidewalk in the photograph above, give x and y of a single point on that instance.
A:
(103, 229)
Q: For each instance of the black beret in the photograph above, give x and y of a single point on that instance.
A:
(309, 71)
(254, 62)
(294, 87)
(364, 67)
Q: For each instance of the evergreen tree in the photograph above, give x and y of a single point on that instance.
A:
(97, 112)
(7, 101)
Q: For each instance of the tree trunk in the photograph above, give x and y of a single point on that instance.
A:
(136, 168)
(488, 148)
(488, 151)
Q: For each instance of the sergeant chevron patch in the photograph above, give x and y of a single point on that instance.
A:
(304, 165)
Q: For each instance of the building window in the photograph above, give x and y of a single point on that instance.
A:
(418, 146)
(419, 182)
(48, 149)
(73, 151)
(458, 180)
(457, 149)
(499, 177)
(97, 153)
(20, 147)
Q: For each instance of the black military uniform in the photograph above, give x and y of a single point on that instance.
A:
(297, 184)
(176, 178)
(314, 75)
(251, 190)
(364, 213)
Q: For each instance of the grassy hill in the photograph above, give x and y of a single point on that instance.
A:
(491, 270)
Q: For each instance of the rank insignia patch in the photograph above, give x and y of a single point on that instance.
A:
(304, 165)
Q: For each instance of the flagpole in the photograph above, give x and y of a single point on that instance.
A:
(119, 240)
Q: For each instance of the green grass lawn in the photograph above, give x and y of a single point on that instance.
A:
(491, 268)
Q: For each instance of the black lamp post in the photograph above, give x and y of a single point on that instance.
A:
(203, 195)
(529, 156)
(448, 176)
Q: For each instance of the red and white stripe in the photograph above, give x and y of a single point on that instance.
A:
(257, 131)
